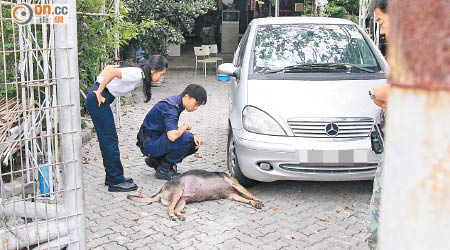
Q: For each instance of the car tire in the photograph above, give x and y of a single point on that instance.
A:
(232, 162)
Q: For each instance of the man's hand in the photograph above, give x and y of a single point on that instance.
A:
(188, 127)
(173, 135)
(197, 142)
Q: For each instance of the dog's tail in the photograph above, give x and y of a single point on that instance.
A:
(140, 198)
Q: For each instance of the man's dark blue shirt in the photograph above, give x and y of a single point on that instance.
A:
(163, 116)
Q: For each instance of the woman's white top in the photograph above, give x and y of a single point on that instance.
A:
(131, 78)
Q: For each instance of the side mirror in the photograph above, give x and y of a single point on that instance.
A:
(229, 69)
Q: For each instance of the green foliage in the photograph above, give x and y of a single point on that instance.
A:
(169, 20)
(151, 23)
(96, 39)
(354, 19)
(336, 11)
(336, 8)
(350, 6)
(85, 121)
(10, 90)
(7, 60)
(343, 9)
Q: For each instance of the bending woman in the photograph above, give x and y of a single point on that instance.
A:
(116, 81)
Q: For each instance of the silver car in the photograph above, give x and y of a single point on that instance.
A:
(299, 107)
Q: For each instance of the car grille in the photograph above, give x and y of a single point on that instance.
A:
(331, 168)
(316, 127)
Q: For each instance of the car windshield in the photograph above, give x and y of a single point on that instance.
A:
(312, 48)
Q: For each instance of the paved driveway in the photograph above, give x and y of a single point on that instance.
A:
(297, 215)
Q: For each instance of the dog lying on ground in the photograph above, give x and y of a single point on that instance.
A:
(198, 185)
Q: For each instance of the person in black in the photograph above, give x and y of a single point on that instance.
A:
(161, 140)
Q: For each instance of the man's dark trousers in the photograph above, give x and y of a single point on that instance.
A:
(173, 151)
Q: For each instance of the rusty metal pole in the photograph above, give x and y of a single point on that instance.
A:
(415, 205)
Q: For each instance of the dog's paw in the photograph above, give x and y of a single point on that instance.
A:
(182, 218)
(257, 204)
(173, 217)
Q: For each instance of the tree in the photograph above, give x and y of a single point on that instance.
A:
(336, 8)
(350, 6)
(96, 40)
(343, 8)
(169, 19)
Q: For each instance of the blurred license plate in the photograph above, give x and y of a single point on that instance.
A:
(333, 156)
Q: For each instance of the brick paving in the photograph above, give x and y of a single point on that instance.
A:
(297, 215)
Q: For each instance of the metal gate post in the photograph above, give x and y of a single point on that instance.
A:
(70, 124)
(116, 59)
(415, 204)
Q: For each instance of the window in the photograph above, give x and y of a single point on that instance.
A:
(279, 46)
(242, 46)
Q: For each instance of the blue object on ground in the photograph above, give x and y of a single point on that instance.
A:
(223, 78)
(44, 180)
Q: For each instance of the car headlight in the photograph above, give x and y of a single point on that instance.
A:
(258, 121)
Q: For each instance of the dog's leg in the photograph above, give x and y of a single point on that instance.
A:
(179, 209)
(140, 198)
(235, 184)
(174, 198)
(253, 203)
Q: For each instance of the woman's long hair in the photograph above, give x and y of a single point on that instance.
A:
(156, 62)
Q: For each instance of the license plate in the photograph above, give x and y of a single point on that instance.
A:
(334, 156)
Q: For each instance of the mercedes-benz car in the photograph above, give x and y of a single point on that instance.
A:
(299, 107)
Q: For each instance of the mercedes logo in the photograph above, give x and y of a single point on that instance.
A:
(332, 129)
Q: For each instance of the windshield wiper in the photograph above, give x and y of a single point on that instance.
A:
(362, 68)
(317, 67)
(308, 67)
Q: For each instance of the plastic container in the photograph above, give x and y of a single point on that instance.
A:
(223, 78)
(44, 180)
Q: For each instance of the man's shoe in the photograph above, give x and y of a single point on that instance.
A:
(164, 174)
(152, 162)
(123, 187)
(127, 179)
(166, 171)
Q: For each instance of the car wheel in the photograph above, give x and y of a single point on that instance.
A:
(233, 165)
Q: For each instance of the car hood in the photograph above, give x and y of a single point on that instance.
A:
(284, 99)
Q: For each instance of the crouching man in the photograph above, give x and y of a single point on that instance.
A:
(161, 140)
